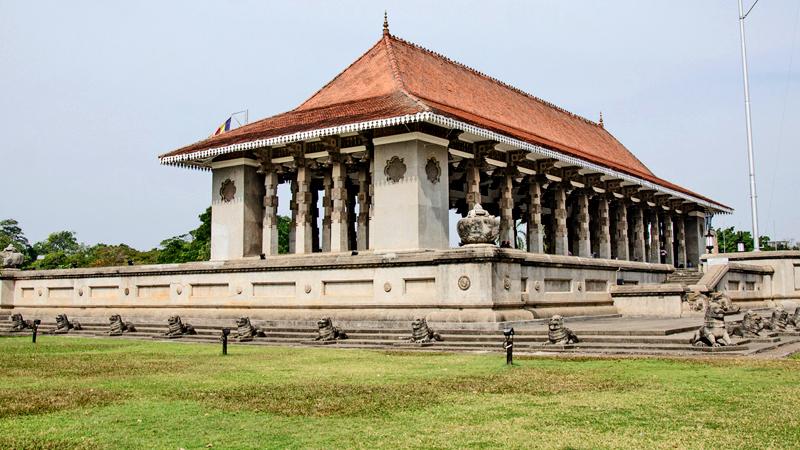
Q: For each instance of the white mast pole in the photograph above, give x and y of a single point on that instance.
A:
(753, 197)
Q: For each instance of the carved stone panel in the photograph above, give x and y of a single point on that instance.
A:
(395, 169)
(433, 170)
(227, 190)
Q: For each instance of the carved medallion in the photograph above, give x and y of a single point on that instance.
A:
(537, 286)
(308, 289)
(127, 291)
(80, 292)
(238, 290)
(387, 287)
(433, 170)
(395, 169)
(464, 283)
(227, 191)
(179, 289)
(507, 283)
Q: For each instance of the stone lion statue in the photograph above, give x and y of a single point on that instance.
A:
(177, 328)
(725, 301)
(63, 325)
(696, 300)
(479, 227)
(421, 333)
(752, 326)
(245, 331)
(20, 324)
(795, 319)
(327, 332)
(713, 333)
(780, 320)
(557, 333)
(117, 326)
(10, 258)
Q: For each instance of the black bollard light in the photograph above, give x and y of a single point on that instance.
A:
(508, 344)
(225, 333)
(36, 324)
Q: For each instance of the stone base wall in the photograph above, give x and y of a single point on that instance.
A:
(482, 284)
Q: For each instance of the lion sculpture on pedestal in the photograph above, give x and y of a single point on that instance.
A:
(780, 320)
(245, 331)
(713, 333)
(752, 326)
(63, 325)
(117, 326)
(421, 333)
(177, 328)
(557, 333)
(327, 332)
(19, 324)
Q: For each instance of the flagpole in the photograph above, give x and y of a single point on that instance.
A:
(753, 196)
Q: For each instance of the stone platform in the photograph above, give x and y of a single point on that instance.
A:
(612, 336)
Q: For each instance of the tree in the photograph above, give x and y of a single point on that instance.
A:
(61, 250)
(283, 234)
(192, 246)
(728, 239)
(11, 234)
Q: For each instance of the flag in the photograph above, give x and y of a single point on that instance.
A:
(226, 126)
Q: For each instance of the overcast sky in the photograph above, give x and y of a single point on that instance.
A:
(92, 92)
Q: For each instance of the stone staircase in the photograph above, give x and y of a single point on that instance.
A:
(686, 277)
(607, 339)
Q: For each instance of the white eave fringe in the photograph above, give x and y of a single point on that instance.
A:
(186, 160)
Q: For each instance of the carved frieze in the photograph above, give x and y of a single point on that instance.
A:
(227, 190)
(395, 169)
(433, 170)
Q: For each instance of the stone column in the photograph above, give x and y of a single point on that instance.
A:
(584, 241)
(560, 215)
(638, 234)
(363, 208)
(669, 239)
(695, 237)
(327, 205)
(621, 236)
(680, 235)
(535, 231)
(339, 208)
(603, 231)
(473, 185)
(507, 231)
(655, 238)
(269, 241)
(303, 229)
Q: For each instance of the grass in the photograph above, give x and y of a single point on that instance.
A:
(106, 393)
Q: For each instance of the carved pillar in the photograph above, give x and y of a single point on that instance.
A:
(293, 223)
(584, 243)
(327, 205)
(560, 217)
(655, 238)
(473, 184)
(603, 232)
(638, 234)
(668, 239)
(621, 237)
(303, 229)
(269, 242)
(507, 231)
(680, 235)
(535, 229)
(363, 208)
(339, 208)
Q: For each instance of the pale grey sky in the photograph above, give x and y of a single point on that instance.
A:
(93, 91)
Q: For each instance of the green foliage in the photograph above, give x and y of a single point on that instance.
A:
(283, 234)
(193, 246)
(61, 250)
(11, 233)
(728, 238)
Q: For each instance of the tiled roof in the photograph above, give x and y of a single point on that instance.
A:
(396, 77)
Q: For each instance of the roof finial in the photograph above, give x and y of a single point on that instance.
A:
(385, 23)
(601, 120)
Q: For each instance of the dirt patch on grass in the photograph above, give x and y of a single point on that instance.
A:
(19, 402)
(329, 397)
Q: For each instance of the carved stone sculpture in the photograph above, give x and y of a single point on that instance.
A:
(795, 320)
(557, 333)
(117, 326)
(63, 325)
(10, 258)
(478, 227)
(421, 333)
(725, 301)
(695, 300)
(327, 332)
(780, 320)
(20, 324)
(245, 331)
(713, 333)
(177, 328)
(752, 326)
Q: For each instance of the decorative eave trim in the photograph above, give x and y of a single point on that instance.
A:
(190, 159)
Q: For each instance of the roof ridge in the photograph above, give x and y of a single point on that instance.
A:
(395, 67)
(493, 79)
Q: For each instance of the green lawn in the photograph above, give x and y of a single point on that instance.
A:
(117, 393)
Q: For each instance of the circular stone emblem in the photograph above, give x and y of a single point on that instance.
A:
(238, 290)
(580, 286)
(80, 292)
(507, 283)
(179, 290)
(387, 287)
(395, 169)
(433, 170)
(308, 289)
(537, 286)
(227, 191)
(127, 291)
(463, 282)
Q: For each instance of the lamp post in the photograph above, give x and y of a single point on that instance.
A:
(36, 324)
(508, 344)
(709, 241)
(225, 333)
(753, 197)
